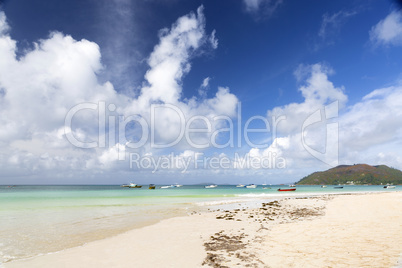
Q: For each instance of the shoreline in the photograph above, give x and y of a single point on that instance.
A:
(240, 236)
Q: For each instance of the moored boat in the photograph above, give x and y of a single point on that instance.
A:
(338, 187)
(151, 187)
(210, 186)
(167, 186)
(133, 185)
(240, 186)
(286, 190)
(251, 186)
(389, 186)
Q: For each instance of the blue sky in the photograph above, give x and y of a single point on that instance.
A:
(261, 59)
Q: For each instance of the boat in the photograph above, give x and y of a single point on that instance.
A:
(323, 186)
(151, 187)
(133, 185)
(177, 185)
(286, 190)
(292, 185)
(240, 186)
(251, 186)
(338, 187)
(210, 186)
(167, 186)
(389, 186)
(266, 187)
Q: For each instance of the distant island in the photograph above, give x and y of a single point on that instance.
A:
(358, 174)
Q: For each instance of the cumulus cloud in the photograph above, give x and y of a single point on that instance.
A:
(42, 86)
(317, 91)
(319, 133)
(169, 63)
(388, 31)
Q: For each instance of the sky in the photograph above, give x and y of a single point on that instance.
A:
(158, 91)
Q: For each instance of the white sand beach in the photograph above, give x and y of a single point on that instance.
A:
(359, 230)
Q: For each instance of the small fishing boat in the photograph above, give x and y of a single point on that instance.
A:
(251, 186)
(389, 186)
(338, 187)
(292, 185)
(286, 190)
(211, 186)
(240, 186)
(151, 187)
(323, 186)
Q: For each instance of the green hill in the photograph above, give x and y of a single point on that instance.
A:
(358, 174)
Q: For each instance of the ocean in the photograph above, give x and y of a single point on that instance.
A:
(41, 219)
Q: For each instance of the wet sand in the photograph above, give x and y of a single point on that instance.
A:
(362, 230)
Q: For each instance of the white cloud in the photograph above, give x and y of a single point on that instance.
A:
(331, 24)
(213, 40)
(369, 131)
(3, 23)
(317, 92)
(205, 82)
(169, 63)
(374, 121)
(388, 31)
(202, 91)
(113, 154)
(39, 88)
(265, 7)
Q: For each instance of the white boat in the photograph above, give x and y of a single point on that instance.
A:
(292, 185)
(389, 186)
(251, 186)
(167, 186)
(211, 186)
(323, 186)
(240, 186)
(133, 185)
(177, 185)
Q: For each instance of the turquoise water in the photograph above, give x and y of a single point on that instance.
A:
(40, 219)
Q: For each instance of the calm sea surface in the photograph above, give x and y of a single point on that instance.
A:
(41, 219)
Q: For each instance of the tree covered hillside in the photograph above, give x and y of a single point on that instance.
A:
(356, 174)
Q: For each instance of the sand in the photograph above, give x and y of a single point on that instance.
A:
(362, 230)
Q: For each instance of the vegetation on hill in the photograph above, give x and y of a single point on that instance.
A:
(354, 174)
